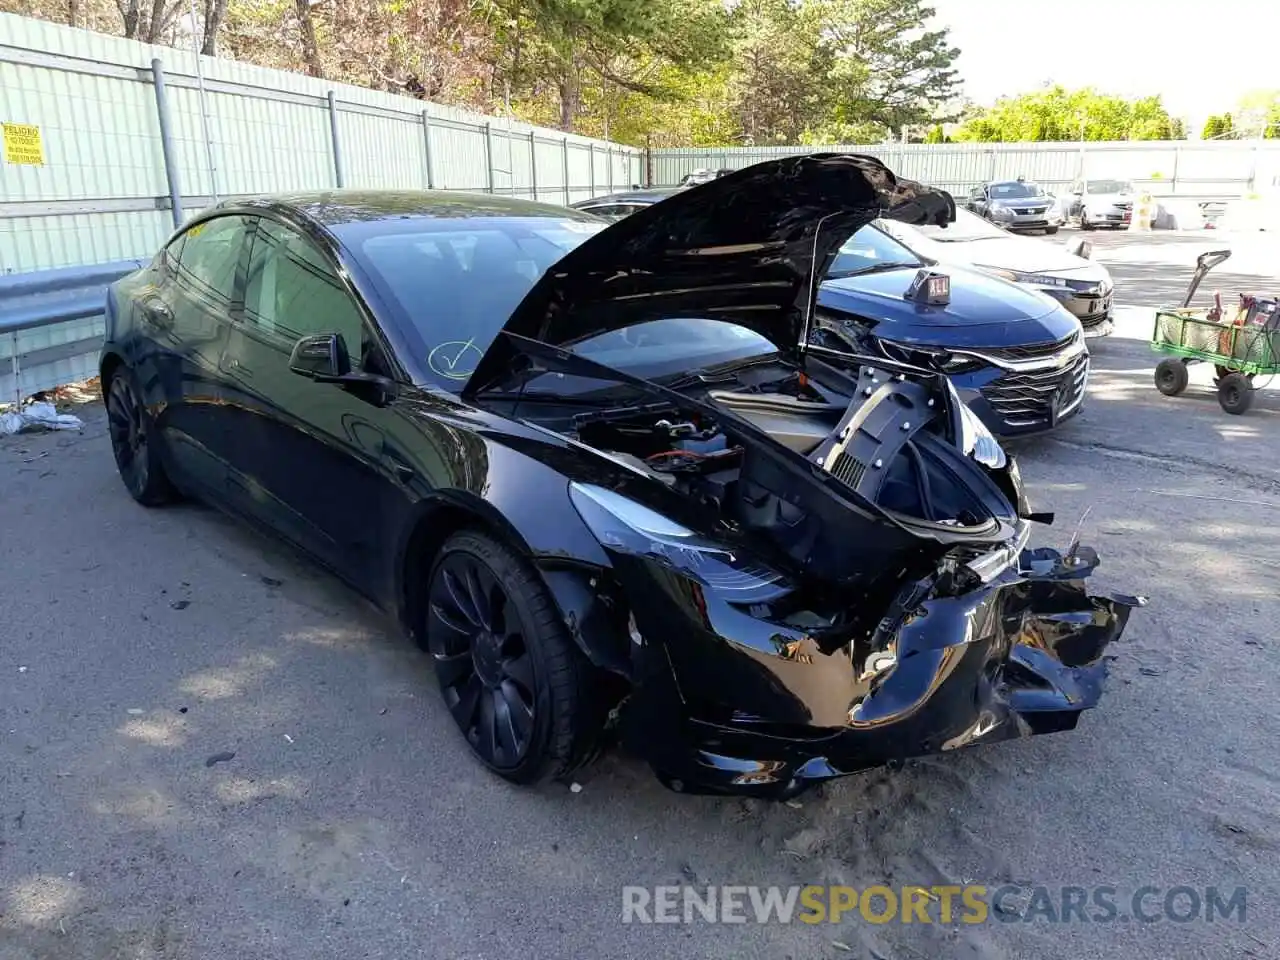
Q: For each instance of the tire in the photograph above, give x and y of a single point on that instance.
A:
(1050, 231)
(1084, 219)
(133, 442)
(1235, 393)
(517, 687)
(1171, 377)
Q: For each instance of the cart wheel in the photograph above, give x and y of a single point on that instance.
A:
(1171, 377)
(1235, 393)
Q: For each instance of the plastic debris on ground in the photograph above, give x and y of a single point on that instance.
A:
(37, 416)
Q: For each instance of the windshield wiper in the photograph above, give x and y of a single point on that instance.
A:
(873, 268)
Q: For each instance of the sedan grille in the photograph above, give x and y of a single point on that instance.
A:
(1028, 399)
(1031, 351)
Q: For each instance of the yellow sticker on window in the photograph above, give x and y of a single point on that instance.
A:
(22, 144)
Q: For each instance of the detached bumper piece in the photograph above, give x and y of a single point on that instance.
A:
(1021, 656)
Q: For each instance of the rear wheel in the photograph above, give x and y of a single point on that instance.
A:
(517, 686)
(1084, 219)
(1171, 377)
(1235, 393)
(1051, 230)
(133, 442)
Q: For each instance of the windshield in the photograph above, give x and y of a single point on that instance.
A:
(868, 250)
(1110, 186)
(967, 226)
(1014, 191)
(454, 283)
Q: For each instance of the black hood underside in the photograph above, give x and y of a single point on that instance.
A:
(746, 248)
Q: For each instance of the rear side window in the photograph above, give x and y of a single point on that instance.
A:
(207, 255)
(292, 292)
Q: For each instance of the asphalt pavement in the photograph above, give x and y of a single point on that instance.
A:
(208, 749)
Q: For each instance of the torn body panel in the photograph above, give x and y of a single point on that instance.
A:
(769, 711)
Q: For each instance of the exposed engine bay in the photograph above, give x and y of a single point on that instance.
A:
(877, 430)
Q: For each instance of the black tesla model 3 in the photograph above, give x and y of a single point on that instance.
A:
(602, 477)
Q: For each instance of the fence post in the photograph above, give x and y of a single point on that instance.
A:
(488, 153)
(166, 150)
(591, 161)
(533, 162)
(17, 369)
(1177, 153)
(338, 177)
(426, 144)
(608, 153)
(568, 195)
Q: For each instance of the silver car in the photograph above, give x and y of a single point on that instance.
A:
(1101, 203)
(1016, 205)
(1080, 284)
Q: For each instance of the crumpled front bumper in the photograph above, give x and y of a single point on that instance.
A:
(1021, 656)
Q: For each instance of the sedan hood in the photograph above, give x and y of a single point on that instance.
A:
(977, 299)
(1023, 254)
(744, 248)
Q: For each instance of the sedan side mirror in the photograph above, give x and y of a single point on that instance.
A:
(1080, 247)
(322, 358)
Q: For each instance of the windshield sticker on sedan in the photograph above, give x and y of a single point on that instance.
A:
(454, 359)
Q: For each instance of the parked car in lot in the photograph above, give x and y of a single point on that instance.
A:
(1015, 356)
(1080, 284)
(1002, 346)
(1015, 205)
(703, 175)
(615, 206)
(614, 488)
(1101, 203)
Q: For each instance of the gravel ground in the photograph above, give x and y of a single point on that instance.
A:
(208, 749)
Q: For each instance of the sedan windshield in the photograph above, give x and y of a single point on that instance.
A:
(967, 226)
(868, 251)
(1110, 186)
(1014, 191)
(452, 285)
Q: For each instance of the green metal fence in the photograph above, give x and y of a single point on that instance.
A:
(109, 143)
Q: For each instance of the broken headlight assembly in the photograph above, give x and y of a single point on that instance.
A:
(625, 526)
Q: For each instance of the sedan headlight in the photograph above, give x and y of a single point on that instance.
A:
(622, 525)
(1000, 210)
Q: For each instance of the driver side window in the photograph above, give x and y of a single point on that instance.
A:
(292, 292)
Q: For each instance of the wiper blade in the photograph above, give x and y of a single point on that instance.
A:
(874, 268)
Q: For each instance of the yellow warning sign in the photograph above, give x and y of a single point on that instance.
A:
(22, 143)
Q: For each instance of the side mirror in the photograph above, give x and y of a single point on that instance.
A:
(1080, 247)
(322, 358)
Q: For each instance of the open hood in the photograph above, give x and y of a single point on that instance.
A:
(746, 248)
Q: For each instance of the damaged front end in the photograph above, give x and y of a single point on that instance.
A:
(957, 662)
(817, 561)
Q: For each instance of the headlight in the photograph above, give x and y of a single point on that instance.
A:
(622, 525)
(930, 358)
(999, 210)
(975, 439)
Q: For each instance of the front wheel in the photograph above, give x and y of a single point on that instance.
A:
(1084, 219)
(133, 442)
(517, 686)
(1171, 377)
(1050, 231)
(1235, 393)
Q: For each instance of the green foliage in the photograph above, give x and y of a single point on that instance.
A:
(1056, 113)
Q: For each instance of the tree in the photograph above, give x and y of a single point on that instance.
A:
(1212, 128)
(880, 65)
(1056, 113)
(936, 135)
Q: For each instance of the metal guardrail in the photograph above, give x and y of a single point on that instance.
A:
(52, 324)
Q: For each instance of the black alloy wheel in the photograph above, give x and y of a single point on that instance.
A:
(133, 444)
(515, 683)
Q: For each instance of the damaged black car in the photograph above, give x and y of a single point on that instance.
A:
(604, 478)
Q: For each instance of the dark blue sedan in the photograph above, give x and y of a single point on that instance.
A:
(1016, 356)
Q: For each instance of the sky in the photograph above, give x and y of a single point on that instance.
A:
(1200, 57)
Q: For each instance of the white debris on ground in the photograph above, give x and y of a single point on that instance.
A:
(37, 416)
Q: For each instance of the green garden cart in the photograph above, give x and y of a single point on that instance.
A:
(1240, 347)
